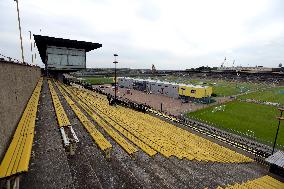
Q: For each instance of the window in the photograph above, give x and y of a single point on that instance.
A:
(193, 91)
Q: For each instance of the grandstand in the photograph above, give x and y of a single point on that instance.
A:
(117, 146)
(160, 135)
(66, 125)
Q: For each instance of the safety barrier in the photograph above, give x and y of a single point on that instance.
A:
(17, 157)
(98, 137)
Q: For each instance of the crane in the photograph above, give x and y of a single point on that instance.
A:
(153, 68)
(222, 65)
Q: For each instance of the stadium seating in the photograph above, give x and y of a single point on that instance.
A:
(59, 110)
(129, 148)
(17, 157)
(68, 134)
(265, 182)
(124, 132)
(100, 140)
(157, 135)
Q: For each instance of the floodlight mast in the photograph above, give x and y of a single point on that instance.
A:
(279, 120)
(31, 46)
(115, 85)
(19, 23)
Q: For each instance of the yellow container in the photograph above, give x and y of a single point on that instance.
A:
(195, 91)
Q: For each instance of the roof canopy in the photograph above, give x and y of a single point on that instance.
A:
(43, 41)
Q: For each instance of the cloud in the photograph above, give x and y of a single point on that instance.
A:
(170, 34)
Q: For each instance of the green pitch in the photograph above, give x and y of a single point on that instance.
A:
(99, 80)
(225, 88)
(247, 118)
(269, 95)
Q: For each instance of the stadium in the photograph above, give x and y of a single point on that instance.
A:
(64, 125)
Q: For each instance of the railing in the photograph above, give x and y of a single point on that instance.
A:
(236, 132)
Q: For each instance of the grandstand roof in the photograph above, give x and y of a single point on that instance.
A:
(43, 41)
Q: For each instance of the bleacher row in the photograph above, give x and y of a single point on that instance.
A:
(17, 157)
(150, 134)
(238, 141)
(62, 118)
(130, 149)
(265, 182)
(68, 134)
(100, 140)
(257, 149)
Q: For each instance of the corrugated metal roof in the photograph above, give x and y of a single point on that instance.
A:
(168, 83)
(277, 159)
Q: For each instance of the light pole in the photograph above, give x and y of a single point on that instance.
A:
(31, 47)
(115, 87)
(280, 119)
(21, 39)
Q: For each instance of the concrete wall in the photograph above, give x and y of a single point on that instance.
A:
(17, 83)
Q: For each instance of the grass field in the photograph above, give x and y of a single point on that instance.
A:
(225, 88)
(220, 87)
(99, 80)
(270, 95)
(242, 116)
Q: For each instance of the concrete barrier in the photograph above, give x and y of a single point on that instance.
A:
(17, 83)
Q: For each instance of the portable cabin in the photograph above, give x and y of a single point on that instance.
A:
(125, 82)
(195, 91)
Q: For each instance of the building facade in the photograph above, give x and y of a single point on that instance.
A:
(63, 55)
(173, 90)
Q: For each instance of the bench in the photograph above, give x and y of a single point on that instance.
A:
(17, 157)
(68, 134)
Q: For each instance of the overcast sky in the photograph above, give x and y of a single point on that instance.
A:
(176, 34)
